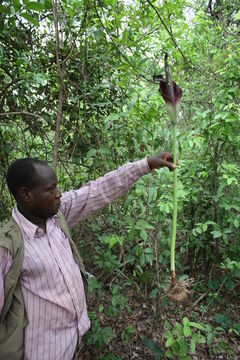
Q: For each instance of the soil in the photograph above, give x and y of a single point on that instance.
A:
(140, 311)
(142, 317)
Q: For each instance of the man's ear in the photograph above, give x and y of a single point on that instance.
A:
(24, 194)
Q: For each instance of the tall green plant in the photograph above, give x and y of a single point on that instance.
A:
(171, 93)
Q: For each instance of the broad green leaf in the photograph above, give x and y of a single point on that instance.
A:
(112, 240)
(149, 258)
(237, 16)
(169, 342)
(30, 18)
(210, 338)
(104, 150)
(223, 320)
(152, 194)
(205, 226)
(178, 330)
(198, 230)
(91, 153)
(185, 321)
(153, 293)
(143, 234)
(93, 284)
(143, 224)
(36, 6)
(168, 334)
(183, 346)
(197, 325)
(193, 346)
(229, 284)
(130, 329)
(112, 117)
(154, 347)
(17, 5)
(114, 301)
(169, 354)
(40, 78)
(236, 328)
(101, 308)
(200, 339)
(236, 223)
(216, 234)
(186, 330)
(148, 250)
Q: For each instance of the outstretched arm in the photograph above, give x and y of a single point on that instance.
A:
(76, 205)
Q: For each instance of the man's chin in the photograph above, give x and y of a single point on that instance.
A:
(52, 213)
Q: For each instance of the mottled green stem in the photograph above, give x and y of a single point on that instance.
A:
(172, 107)
(172, 110)
(174, 219)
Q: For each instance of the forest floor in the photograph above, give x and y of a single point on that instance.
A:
(134, 308)
(140, 313)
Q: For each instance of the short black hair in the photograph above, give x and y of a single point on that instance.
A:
(22, 172)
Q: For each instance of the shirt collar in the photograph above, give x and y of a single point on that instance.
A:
(27, 227)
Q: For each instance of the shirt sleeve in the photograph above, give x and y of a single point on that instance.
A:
(76, 205)
(5, 264)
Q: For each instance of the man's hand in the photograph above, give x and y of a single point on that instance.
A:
(161, 160)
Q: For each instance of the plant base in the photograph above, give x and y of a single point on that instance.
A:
(178, 292)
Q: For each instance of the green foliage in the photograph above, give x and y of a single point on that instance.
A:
(223, 320)
(118, 302)
(112, 114)
(93, 284)
(153, 346)
(226, 323)
(182, 338)
(110, 357)
(98, 335)
(107, 261)
(112, 240)
(127, 333)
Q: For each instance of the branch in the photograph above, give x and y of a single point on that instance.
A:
(210, 8)
(19, 113)
(120, 52)
(199, 299)
(146, 34)
(168, 31)
(61, 72)
(13, 81)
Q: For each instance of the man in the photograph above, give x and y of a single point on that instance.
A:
(44, 315)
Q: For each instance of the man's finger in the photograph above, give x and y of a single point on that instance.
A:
(170, 158)
(170, 165)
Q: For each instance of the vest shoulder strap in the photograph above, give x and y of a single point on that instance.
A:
(64, 226)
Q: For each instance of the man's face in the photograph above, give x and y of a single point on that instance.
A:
(44, 197)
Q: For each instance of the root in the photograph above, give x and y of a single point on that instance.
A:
(178, 291)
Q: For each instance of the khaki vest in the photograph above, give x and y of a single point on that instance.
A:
(13, 319)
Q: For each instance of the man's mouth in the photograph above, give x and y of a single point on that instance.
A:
(58, 204)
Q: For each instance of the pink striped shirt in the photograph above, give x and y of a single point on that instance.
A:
(51, 281)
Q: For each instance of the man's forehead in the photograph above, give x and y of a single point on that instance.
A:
(44, 173)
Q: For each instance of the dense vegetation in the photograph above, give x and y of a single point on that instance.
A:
(77, 91)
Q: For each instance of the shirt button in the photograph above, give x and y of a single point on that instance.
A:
(39, 232)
